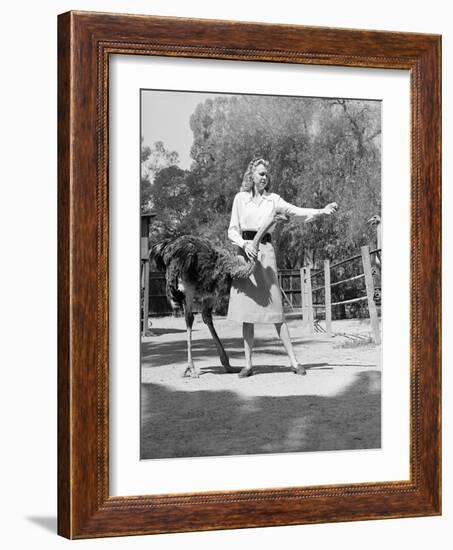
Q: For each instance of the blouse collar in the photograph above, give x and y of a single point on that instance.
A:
(266, 195)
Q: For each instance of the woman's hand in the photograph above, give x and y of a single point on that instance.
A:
(250, 251)
(331, 208)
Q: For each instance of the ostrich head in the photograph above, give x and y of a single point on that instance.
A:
(374, 220)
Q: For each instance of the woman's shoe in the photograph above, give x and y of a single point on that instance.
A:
(245, 372)
(299, 370)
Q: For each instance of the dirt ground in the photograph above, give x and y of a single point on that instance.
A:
(336, 406)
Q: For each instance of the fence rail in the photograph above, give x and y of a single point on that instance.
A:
(352, 301)
(336, 283)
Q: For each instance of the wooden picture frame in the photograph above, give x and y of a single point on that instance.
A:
(85, 41)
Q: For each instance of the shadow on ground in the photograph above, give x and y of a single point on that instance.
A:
(159, 354)
(210, 423)
(164, 331)
(266, 369)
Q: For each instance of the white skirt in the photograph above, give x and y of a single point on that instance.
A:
(257, 299)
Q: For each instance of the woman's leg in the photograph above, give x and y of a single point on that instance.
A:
(248, 335)
(283, 332)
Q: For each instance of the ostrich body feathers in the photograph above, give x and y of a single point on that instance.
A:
(194, 266)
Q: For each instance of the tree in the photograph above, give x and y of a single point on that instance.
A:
(153, 159)
(170, 196)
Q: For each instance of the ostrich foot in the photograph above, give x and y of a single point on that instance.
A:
(228, 368)
(191, 371)
(300, 370)
(246, 372)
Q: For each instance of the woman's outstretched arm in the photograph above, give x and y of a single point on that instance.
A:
(308, 214)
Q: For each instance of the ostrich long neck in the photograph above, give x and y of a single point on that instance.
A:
(243, 269)
(378, 234)
(268, 222)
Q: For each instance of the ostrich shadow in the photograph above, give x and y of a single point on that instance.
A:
(258, 288)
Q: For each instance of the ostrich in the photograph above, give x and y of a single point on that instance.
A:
(197, 269)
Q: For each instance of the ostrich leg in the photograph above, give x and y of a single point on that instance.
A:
(191, 369)
(206, 314)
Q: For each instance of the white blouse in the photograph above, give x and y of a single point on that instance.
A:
(247, 215)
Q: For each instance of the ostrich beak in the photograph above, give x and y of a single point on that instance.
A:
(372, 219)
(280, 218)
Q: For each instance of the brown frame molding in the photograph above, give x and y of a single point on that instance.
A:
(85, 42)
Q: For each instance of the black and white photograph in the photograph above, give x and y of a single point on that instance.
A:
(260, 274)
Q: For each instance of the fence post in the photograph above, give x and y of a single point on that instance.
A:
(145, 275)
(328, 299)
(310, 300)
(291, 290)
(370, 294)
(307, 301)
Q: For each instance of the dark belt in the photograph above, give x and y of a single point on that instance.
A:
(250, 235)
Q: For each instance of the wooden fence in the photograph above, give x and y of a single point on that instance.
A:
(367, 258)
(158, 303)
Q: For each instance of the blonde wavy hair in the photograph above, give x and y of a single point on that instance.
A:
(247, 180)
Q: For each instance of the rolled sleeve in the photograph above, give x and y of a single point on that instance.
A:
(291, 210)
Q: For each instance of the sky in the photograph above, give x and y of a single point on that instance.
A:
(165, 117)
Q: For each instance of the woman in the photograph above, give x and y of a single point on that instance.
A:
(258, 299)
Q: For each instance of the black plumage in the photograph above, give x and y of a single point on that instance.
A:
(196, 262)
